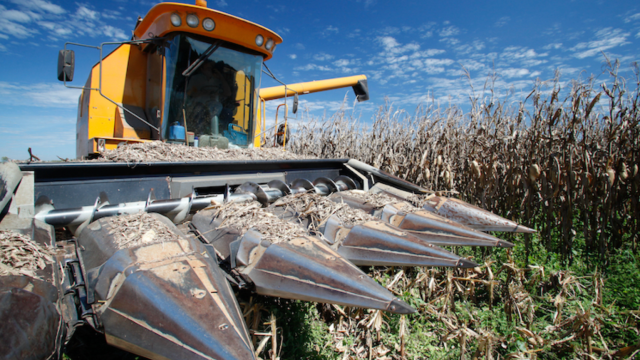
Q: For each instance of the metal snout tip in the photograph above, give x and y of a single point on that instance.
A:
(504, 244)
(524, 229)
(398, 306)
(466, 264)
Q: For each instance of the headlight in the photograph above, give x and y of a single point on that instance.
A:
(176, 20)
(259, 40)
(269, 44)
(192, 20)
(208, 24)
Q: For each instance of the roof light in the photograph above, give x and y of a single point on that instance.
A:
(176, 20)
(259, 40)
(269, 44)
(192, 20)
(208, 24)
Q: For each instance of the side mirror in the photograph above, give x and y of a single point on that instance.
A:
(66, 65)
(294, 108)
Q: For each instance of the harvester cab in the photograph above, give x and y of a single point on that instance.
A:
(188, 72)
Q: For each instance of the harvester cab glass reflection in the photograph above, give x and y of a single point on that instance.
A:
(210, 91)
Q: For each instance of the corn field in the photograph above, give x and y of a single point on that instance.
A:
(495, 311)
(564, 160)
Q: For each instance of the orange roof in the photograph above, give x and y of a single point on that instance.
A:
(229, 28)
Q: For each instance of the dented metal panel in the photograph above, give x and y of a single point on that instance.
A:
(167, 299)
(306, 269)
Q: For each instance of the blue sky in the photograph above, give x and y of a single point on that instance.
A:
(412, 52)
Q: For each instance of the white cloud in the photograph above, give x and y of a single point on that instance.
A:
(631, 18)
(330, 30)
(14, 29)
(511, 73)
(607, 38)
(14, 15)
(472, 65)
(390, 30)
(293, 56)
(502, 21)
(438, 62)
(342, 62)
(555, 46)
(449, 31)
(114, 33)
(111, 14)
(427, 53)
(86, 13)
(354, 33)
(322, 57)
(432, 66)
(83, 22)
(39, 6)
(40, 95)
(392, 46)
(566, 70)
(450, 41)
(476, 45)
(221, 3)
(3, 48)
(299, 46)
(519, 53)
(309, 67)
(388, 42)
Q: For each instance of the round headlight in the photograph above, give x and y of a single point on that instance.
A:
(192, 20)
(208, 24)
(259, 40)
(176, 20)
(269, 44)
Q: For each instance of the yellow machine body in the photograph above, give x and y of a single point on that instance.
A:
(125, 97)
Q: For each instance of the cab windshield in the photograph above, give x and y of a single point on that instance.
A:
(210, 90)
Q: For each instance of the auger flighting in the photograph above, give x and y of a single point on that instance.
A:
(433, 228)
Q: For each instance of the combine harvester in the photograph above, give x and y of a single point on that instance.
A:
(146, 256)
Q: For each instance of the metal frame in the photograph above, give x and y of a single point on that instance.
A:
(99, 89)
(286, 90)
